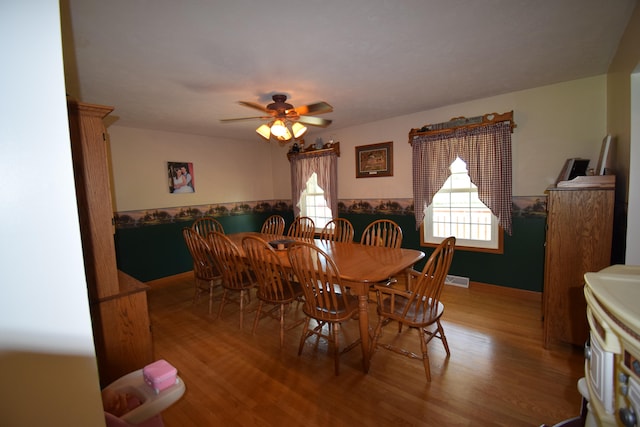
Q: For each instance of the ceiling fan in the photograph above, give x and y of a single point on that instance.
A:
(282, 116)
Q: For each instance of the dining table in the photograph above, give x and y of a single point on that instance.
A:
(360, 267)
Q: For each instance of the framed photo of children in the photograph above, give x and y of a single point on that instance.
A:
(374, 160)
(181, 177)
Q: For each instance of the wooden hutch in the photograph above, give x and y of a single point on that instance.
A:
(578, 240)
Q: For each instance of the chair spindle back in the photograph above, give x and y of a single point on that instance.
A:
(382, 232)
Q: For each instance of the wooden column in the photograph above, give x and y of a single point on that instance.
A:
(89, 146)
(118, 302)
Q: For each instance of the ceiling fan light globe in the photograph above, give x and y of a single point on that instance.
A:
(287, 135)
(264, 132)
(278, 129)
(298, 130)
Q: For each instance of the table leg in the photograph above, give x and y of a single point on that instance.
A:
(363, 313)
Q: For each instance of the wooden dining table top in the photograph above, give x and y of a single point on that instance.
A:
(356, 262)
(360, 266)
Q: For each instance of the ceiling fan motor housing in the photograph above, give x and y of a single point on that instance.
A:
(279, 105)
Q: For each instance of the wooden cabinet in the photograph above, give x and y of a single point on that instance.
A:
(118, 302)
(579, 233)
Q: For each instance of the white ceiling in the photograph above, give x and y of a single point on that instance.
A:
(183, 65)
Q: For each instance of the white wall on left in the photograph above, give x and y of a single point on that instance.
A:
(47, 359)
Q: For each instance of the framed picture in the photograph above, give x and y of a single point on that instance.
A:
(181, 177)
(374, 160)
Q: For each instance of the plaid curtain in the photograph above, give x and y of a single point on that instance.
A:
(487, 152)
(325, 165)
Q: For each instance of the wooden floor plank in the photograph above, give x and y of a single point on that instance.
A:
(498, 374)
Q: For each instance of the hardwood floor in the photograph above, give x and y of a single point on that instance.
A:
(498, 373)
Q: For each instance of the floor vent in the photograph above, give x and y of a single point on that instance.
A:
(463, 282)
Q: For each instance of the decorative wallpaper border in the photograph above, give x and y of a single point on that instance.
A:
(147, 217)
(529, 206)
(522, 206)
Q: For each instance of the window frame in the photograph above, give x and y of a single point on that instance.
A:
(303, 205)
(495, 245)
(462, 247)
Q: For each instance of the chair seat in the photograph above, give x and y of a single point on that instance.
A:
(417, 314)
(289, 294)
(247, 283)
(342, 311)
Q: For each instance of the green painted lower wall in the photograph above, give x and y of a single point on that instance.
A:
(156, 249)
(521, 265)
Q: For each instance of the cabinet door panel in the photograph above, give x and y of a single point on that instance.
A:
(579, 232)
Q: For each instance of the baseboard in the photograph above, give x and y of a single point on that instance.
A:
(505, 290)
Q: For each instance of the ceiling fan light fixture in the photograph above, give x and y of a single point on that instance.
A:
(285, 121)
(264, 131)
(279, 129)
(298, 130)
(285, 137)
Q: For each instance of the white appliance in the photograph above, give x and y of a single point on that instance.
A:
(612, 366)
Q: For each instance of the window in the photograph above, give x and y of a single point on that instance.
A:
(313, 203)
(485, 148)
(314, 184)
(457, 211)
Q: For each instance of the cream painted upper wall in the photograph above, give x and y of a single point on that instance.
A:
(623, 102)
(225, 170)
(623, 64)
(554, 123)
(281, 171)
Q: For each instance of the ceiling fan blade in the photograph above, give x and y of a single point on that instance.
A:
(314, 121)
(317, 108)
(245, 118)
(254, 105)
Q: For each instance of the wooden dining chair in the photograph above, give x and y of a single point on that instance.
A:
(302, 227)
(206, 224)
(419, 307)
(273, 225)
(236, 276)
(205, 270)
(387, 233)
(383, 232)
(325, 297)
(338, 230)
(274, 285)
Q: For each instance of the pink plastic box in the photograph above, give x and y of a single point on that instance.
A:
(160, 375)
